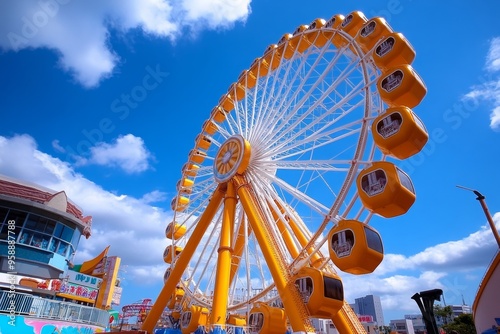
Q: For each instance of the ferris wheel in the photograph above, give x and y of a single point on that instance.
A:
(284, 176)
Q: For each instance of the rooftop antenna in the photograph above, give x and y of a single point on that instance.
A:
(481, 198)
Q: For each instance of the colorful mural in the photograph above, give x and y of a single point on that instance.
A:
(27, 325)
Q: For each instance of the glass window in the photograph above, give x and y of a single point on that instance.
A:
(405, 180)
(333, 288)
(58, 231)
(49, 228)
(18, 217)
(256, 321)
(32, 222)
(40, 224)
(373, 240)
(67, 233)
(26, 238)
(3, 214)
(40, 240)
(54, 243)
(37, 240)
(63, 232)
(62, 249)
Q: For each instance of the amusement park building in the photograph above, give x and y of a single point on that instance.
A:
(40, 230)
(47, 228)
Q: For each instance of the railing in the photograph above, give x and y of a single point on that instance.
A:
(38, 307)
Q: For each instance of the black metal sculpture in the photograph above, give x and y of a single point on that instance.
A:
(425, 301)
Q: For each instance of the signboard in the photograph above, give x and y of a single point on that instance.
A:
(117, 296)
(80, 285)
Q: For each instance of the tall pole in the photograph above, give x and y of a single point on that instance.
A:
(481, 198)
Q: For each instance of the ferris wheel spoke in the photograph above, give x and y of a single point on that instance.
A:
(312, 165)
(311, 124)
(292, 111)
(267, 109)
(281, 96)
(314, 141)
(299, 195)
(320, 127)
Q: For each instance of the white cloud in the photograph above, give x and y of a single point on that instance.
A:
(154, 197)
(493, 57)
(78, 31)
(490, 89)
(116, 218)
(127, 152)
(56, 145)
(215, 13)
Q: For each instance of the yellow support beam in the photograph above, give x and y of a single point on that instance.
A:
(294, 306)
(183, 261)
(346, 321)
(303, 240)
(222, 275)
(238, 247)
(285, 233)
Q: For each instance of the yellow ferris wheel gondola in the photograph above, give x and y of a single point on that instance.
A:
(401, 85)
(393, 50)
(399, 132)
(385, 189)
(355, 247)
(372, 31)
(193, 318)
(265, 319)
(175, 231)
(323, 293)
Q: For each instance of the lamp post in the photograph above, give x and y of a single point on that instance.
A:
(481, 198)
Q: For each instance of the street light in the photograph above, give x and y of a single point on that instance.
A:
(480, 198)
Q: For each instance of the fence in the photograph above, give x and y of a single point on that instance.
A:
(38, 307)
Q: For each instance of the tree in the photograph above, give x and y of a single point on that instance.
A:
(384, 329)
(443, 313)
(463, 324)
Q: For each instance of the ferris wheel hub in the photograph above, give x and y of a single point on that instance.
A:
(232, 158)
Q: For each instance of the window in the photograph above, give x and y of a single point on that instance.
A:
(62, 249)
(18, 217)
(40, 240)
(3, 214)
(63, 232)
(333, 288)
(405, 180)
(373, 240)
(40, 232)
(26, 238)
(54, 243)
(41, 224)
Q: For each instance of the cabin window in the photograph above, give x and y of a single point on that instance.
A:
(374, 182)
(385, 47)
(256, 321)
(373, 240)
(389, 125)
(368, 29)
(405, 180)
(333, 288)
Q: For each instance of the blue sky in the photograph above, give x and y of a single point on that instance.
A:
(104, 100)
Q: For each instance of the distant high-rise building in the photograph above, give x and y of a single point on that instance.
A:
(370, 305)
